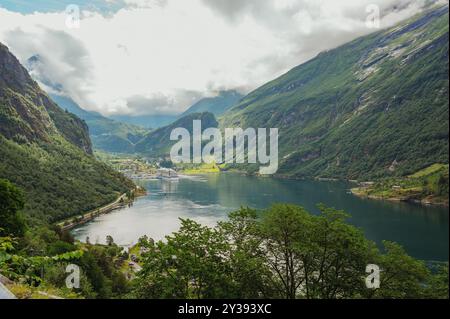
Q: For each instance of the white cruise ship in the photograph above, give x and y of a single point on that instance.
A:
(166, 173)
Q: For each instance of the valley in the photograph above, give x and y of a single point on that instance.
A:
(361, 177)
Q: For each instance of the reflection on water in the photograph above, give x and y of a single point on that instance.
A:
(422, 230)
(168, 187)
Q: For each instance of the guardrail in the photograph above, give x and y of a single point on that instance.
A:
(5, 293)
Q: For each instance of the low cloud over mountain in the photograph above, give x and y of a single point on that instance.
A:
(180, 50)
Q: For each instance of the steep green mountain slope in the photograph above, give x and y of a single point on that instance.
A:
(216, 105)
(47, 151)
(377, 106)
(158, 143)
(106, 134)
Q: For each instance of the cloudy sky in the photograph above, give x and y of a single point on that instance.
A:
(160, 56)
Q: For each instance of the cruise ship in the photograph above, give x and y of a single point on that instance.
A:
(166, 173)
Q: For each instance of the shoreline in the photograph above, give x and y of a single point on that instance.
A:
(120, 202)
(359, 192)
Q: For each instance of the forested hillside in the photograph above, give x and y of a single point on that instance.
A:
(47, 152)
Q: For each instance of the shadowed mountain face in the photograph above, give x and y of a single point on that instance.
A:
(106, 134)
(28, 114)
(47, 151)
(376, 106)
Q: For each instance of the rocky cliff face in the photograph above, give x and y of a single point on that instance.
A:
(27, 114)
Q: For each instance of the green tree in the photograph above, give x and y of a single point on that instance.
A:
(339, 254)
(109, 240)
(402, 276)
(11, 202)
(190, 264)
(166, 163)
(442, 184)
(284, 252)
(315, 256)
(249, 272)
(285, 232)
(438, 284)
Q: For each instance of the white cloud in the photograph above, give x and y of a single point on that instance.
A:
(158, 56)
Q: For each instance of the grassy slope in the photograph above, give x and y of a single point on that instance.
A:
(353, 111)
(429, 185)
(199, 169)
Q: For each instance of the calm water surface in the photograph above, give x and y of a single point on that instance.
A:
(422, 230)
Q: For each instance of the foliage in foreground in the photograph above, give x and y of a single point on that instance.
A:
(37, 266)
(11, 202)
(36, 258)
(283, 253)
(288, 253)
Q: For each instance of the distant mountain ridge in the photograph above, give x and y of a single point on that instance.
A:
(158, 144)
(376, 106)
(148, 121)
(121, 133)
(216, 105)
(106, 134)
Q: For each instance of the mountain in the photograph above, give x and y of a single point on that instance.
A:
(66, 103)
(374, 107)
(106, 134)
(158, 143)
(216, 105)
(147, 121)
(47, 152)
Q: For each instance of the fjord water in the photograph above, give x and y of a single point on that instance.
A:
(422, 230)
